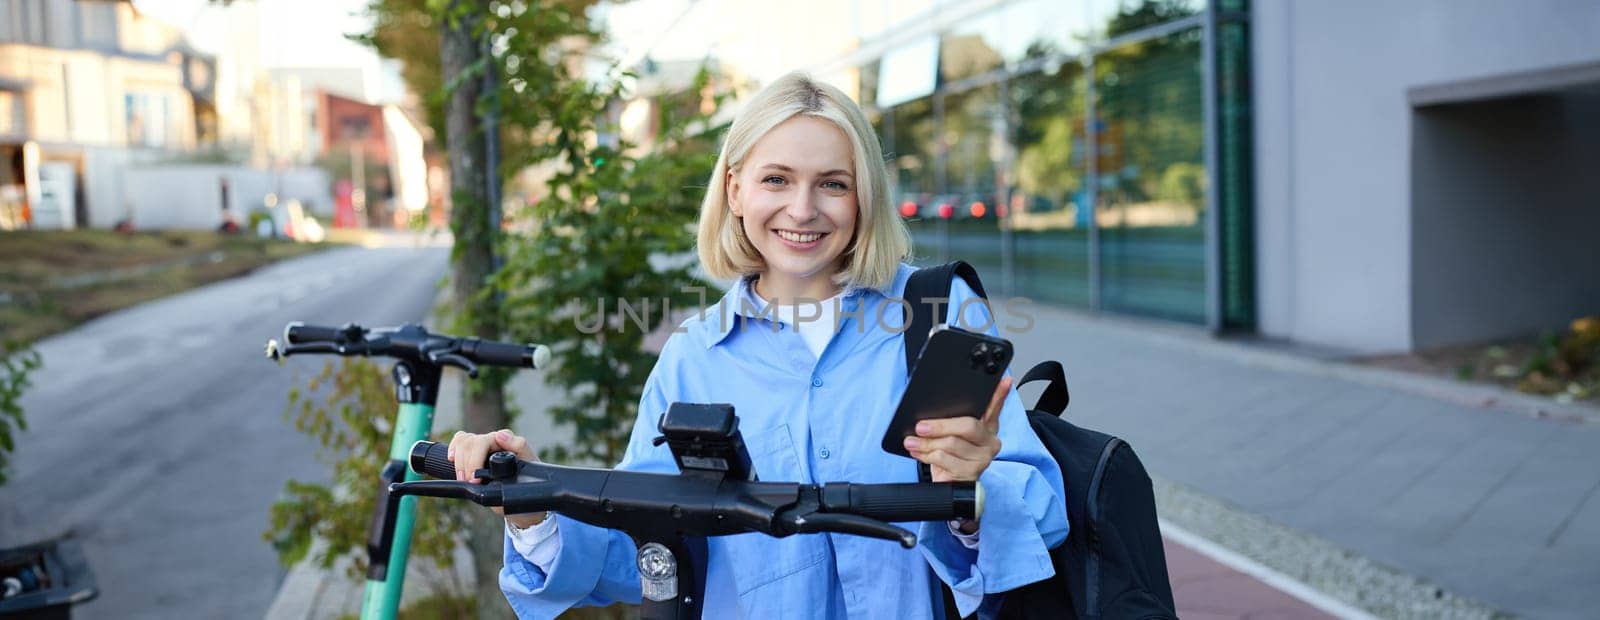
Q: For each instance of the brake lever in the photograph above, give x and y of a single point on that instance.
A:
(453, 359)
(849, 524)
(488, 494)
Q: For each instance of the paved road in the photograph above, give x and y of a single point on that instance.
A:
(157, 433)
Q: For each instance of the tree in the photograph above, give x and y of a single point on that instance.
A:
(1139, 14)
(1153, 92)
(612, 227)
(1046, 167)
(408, 31)
(472, 258)
(604, 223)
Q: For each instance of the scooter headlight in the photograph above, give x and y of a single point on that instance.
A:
(658, 572)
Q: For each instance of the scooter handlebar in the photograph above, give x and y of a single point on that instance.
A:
(432, 459)
(904, 501)
(300, 333)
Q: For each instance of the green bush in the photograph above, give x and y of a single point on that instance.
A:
(17, 361)
(614, 225)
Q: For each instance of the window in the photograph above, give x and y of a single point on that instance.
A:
(971, 49)
(909, 147)
(908, 72)
(11, 121)
(1119, 17)
(146, 119)
(1048, 212)
(867, 86)
(354, 127)
(1041, 28)
(1152, 177)
(976, 148)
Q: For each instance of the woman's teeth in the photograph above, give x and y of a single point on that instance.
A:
(799, 237)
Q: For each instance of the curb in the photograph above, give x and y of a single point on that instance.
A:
(1260, 572)
(1338, 581)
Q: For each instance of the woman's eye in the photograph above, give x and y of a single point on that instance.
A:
(835, 185)
(773, 180)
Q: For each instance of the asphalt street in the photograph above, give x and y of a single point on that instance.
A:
(157, 434)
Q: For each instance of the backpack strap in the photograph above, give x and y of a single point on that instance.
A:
(924, 284)
(931, 283)
(1055, 397)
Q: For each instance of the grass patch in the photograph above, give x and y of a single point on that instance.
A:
(51, 281)
(1562, 365)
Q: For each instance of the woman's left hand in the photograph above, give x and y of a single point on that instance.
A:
(960, 448)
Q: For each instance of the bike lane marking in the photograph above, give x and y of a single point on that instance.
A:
(1222, 583)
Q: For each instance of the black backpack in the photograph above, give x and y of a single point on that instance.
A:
(1112, 564)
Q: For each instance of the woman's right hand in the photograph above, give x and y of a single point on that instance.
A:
(469, 452)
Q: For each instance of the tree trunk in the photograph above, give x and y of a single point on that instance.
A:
(483, 405)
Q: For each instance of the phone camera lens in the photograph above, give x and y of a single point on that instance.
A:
(979, 352)
(991, 368)
(998, 355)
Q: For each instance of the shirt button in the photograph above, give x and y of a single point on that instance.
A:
(816, 382)
(824, 453)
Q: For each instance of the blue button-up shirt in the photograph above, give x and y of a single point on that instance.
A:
(814, 420)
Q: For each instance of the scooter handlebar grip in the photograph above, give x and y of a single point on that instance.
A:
(431, 459)
(300, 333)
(513, 355)
(916, 501)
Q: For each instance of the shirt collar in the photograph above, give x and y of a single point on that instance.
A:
(729, 313)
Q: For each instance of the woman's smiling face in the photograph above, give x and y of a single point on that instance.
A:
(795, 193)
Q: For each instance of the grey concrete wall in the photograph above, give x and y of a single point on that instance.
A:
(105, 182)
(1505, 219)
(189, 196)
(1333, 144)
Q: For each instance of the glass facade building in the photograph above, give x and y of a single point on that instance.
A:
(1086, 153)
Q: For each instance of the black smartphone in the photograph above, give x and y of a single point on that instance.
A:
(955, 374)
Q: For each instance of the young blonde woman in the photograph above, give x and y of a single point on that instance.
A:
(798, 211)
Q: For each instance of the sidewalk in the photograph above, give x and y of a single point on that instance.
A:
(1297, 488)
(1404, 496)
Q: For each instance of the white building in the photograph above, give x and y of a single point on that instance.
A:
(86, 87)
(1427, 172)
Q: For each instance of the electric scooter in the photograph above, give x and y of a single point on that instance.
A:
(419, 357)
(669, 516)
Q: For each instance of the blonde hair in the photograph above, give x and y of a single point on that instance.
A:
(881, 240)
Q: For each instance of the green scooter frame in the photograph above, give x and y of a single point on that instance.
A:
(418, 390)
(419, 359)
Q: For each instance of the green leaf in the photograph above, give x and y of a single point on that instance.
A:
(16, 363)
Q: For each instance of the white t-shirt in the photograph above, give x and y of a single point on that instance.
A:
(816, 322)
